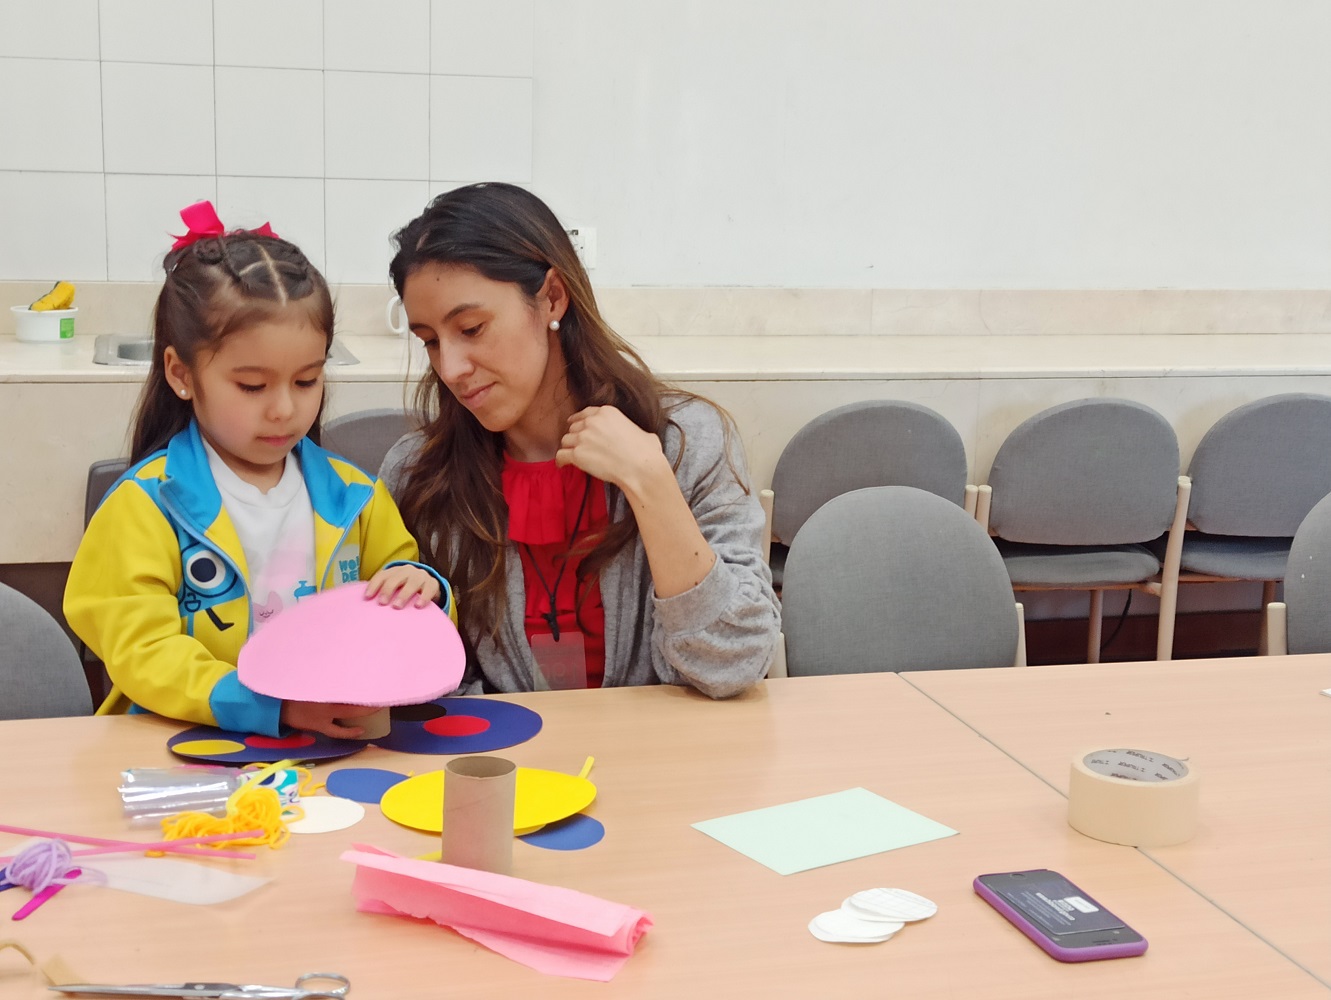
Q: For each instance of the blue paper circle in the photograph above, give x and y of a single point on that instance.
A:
(572, 834)
(510, 725)
(363, 784)
(323, 747)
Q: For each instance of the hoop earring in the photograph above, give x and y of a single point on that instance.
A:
(554, 326)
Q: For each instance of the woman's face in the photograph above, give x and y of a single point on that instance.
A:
(491, 347)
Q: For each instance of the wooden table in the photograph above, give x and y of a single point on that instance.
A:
(725, 925)
(1256, 729)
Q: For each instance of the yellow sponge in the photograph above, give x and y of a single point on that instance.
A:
(59, 297)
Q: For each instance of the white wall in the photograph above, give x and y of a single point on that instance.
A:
(843, 143)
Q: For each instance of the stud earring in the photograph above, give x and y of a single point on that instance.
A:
(184, 394)
(554, 325)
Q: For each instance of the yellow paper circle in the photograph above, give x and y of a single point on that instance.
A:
(208, 748)
(541, 797)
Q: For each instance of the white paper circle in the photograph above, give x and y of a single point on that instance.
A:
(840, 927)
(890, 905)
(326, 813)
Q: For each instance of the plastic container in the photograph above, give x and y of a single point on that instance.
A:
(48, 327)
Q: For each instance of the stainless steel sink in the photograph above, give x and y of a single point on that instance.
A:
(116, 349)
(120, 349)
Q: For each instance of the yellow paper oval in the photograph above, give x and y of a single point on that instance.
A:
(205, 748)
(541, 797)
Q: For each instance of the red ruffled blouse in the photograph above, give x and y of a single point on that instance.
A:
(549, 507)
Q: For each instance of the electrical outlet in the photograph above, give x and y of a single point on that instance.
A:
(584, 242)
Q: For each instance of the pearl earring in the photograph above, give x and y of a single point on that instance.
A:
(184, 394)
(554, 325)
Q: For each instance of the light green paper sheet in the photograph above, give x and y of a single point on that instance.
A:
(824, 830)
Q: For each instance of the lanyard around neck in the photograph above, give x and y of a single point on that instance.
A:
(551, 616)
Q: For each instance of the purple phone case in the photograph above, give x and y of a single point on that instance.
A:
(1125, 949)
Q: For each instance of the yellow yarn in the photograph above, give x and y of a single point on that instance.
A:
(250, 807)
(307, 785)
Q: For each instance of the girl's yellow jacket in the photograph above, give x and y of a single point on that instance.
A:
(158, 588)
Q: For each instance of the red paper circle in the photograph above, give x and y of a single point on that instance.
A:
(280, 742)
(457, 725)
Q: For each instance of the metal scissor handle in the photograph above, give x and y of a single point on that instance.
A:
(310, 986)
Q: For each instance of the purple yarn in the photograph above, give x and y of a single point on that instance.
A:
(42, 864)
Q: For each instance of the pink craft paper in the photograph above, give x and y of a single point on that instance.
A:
(337, 647)
(560, 932)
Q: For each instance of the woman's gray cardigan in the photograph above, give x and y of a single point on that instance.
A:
(719, 637)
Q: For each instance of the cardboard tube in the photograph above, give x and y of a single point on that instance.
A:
(1134, 797)
(376, 725)
(478, 813)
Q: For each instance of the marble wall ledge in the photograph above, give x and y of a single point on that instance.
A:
(826, 358)
(126, 307)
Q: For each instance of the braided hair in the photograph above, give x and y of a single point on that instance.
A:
(214, 287)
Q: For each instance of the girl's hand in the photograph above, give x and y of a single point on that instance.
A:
(398, 585)
(604, 443)
(317, 717)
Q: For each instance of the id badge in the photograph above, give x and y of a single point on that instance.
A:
(562, 663)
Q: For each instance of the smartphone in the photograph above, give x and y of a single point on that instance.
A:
(1055, 914)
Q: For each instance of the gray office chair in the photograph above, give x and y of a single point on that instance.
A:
(880, 442)
(1075, 493)
(102, 475)
(1255, 476)
(1300, 623)
(363, 438)
(894, 578)
(40, 674)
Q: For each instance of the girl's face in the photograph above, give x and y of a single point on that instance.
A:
(257, 395)
(491, 347)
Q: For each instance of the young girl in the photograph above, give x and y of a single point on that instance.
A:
(599, 525)
(230, 513)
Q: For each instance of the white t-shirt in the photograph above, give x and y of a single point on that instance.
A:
(276, 532)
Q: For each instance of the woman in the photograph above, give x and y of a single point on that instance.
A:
(596, 525)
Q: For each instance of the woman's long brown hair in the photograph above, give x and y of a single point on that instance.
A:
(453, 500)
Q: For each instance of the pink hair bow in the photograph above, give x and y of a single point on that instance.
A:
(202, 222)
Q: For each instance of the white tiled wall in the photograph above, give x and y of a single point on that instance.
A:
(315, 115)
(853, 144)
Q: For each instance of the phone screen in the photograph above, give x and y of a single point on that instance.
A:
(1053, 903)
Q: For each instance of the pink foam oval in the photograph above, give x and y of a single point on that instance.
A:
(338, 647)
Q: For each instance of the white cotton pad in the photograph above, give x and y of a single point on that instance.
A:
(326, 813)
(840, 927)
(890, 905)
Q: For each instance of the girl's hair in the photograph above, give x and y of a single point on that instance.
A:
(214, 287)
(453, 501)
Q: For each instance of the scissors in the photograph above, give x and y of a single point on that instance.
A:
(311, 986)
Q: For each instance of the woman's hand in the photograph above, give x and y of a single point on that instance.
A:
(604, 443)
(398, 585)
(318, 717)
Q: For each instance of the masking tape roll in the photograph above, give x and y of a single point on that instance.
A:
(1136, 797)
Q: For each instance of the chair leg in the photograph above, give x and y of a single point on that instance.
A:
(983, 501)
(1093, 625)
(1169, 573)
(766, 498)
(778, 667)
(1021, 636)
(1277, 629)
(1264, 636)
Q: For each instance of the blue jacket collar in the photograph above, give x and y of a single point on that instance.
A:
(189, 484)
(190, 488)
(337, 502)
